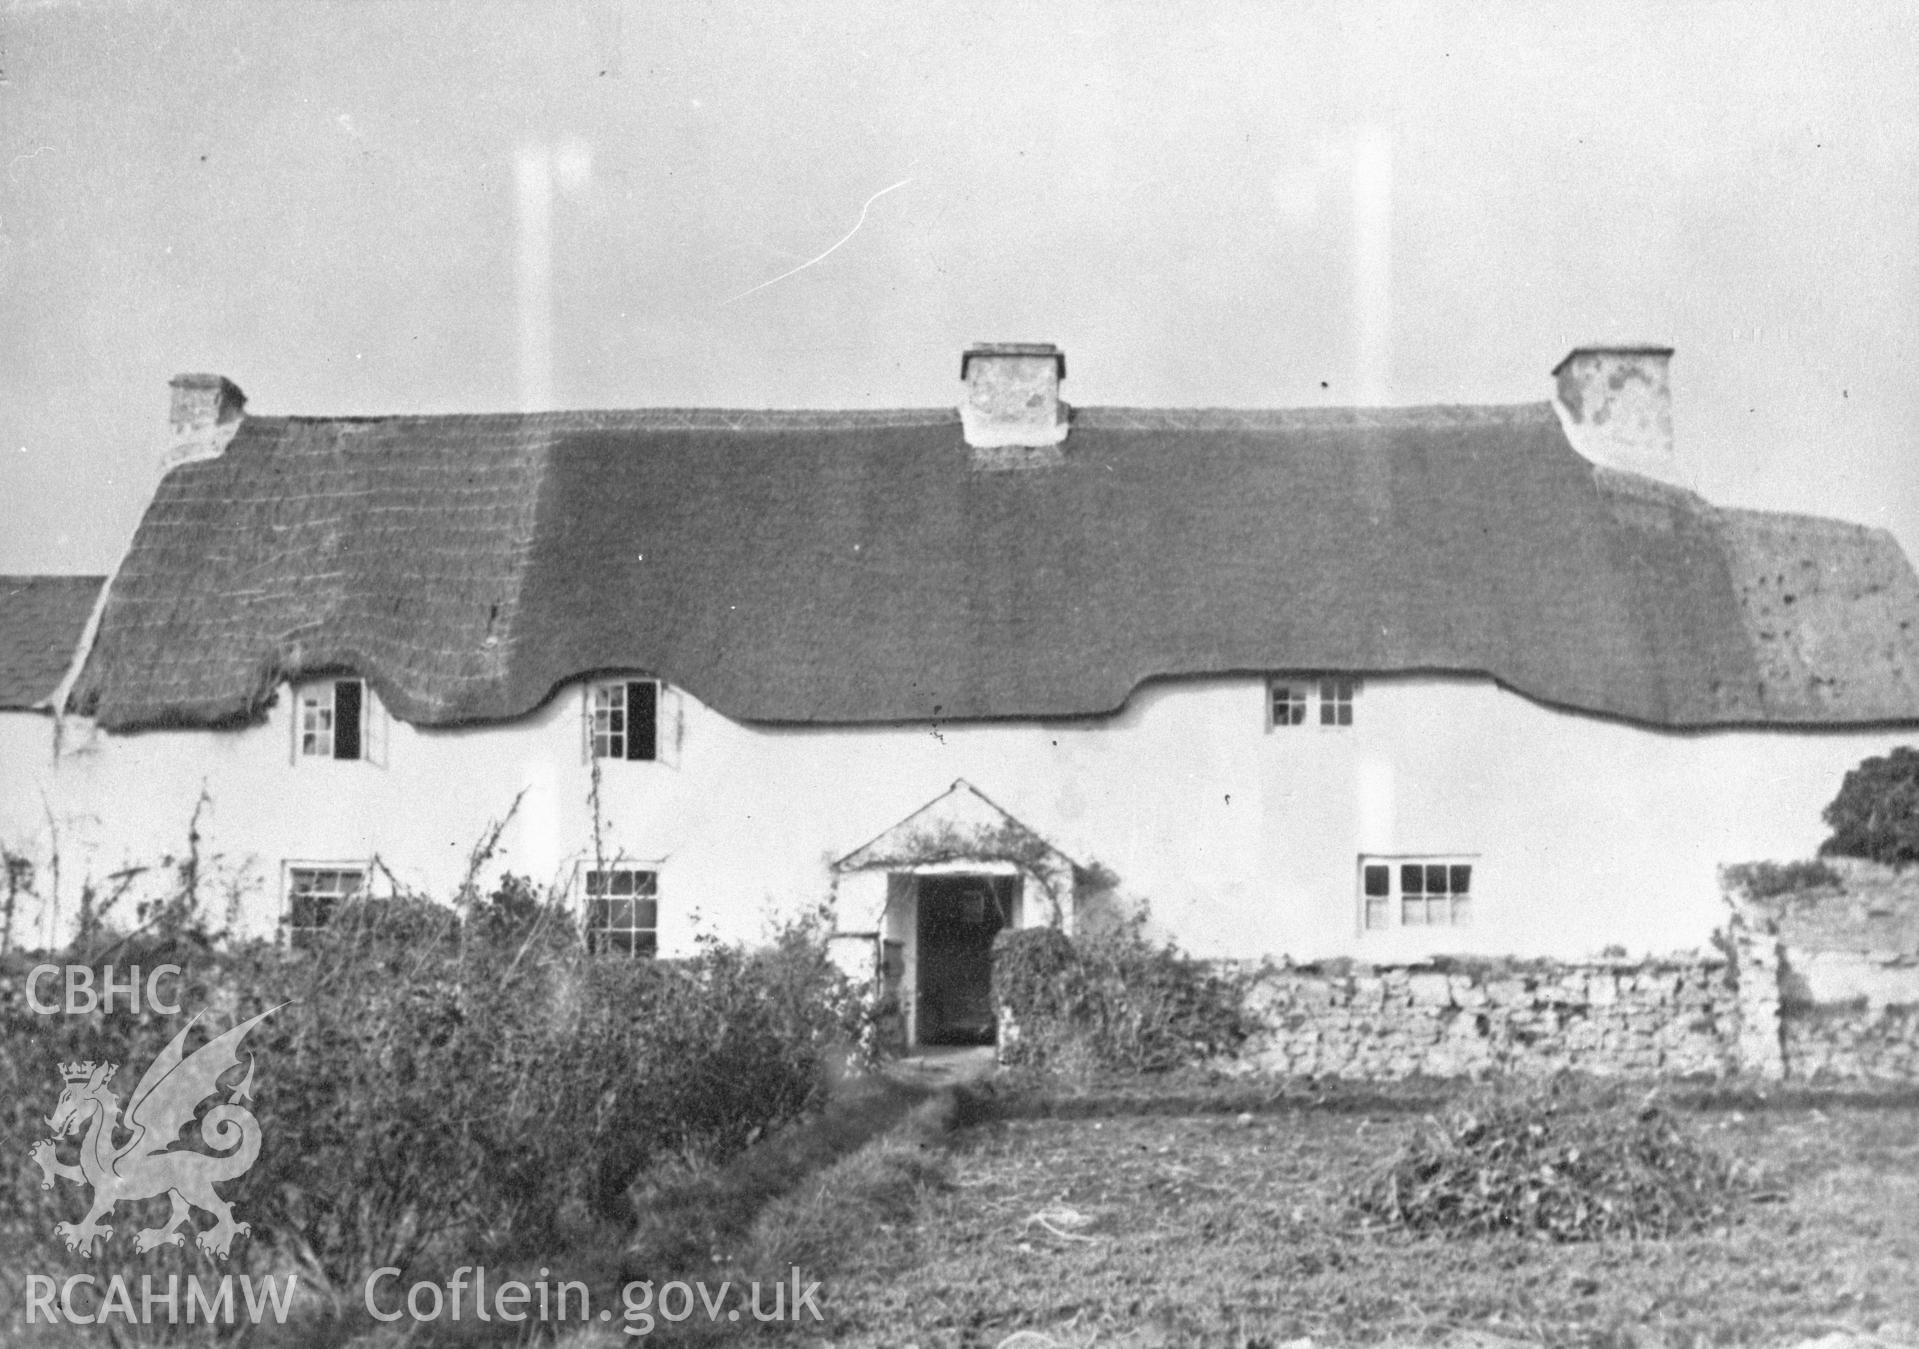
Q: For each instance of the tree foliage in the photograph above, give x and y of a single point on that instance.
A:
(1876, 814)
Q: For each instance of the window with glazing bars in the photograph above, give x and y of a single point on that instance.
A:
(315, 894)
(624, 717)
(1408, 892)
(333, 719)
(1292, 701)
(622, 911)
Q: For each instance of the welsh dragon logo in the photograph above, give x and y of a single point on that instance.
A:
(146, 1164)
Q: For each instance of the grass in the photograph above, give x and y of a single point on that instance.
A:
(1213, 1229)
(1184, 1213)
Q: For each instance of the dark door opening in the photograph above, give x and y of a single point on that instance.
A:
(958, 918)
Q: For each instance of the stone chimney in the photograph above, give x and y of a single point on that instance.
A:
(207, 410)
(1012, 394)
(1616, 406)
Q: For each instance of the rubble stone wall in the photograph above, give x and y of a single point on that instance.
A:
(1665, 1018)
(1852, 1042)
(1818, 986)
(1844, 965)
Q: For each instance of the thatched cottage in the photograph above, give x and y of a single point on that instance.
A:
(1377, 682)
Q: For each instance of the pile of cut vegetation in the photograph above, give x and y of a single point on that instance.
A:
(1565, 1160)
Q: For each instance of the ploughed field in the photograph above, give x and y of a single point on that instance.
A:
(1135, 1227)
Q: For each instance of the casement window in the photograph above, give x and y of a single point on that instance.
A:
(1336, 701)
(622, 911)
(1288, 703)
(1400, 892)
(623, 719)
(1310, 701)
(332, 720)
(315, 893)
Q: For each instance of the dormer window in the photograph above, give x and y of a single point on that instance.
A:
(623, 719)
(1310, 700)
(1336, 701)
(332, 720)
(1288, 703)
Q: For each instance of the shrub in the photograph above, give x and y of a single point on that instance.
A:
(1876, 814)
(1113, 1001)
(429, 1087)
(1563, 1160)
(1768, 880)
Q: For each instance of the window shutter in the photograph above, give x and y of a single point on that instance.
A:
(586, 724)
(347, 719)
(642, 719)
(376, 728)
(672, 725)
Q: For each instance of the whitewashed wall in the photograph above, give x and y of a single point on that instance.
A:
(1587, 833)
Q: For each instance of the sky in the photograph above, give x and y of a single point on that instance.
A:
(367, 208)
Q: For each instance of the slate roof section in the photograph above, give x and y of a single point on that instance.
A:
(856, 568)
(41, 620)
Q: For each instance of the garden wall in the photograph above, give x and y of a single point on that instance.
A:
(1845, 955)
(1853, 1042)
(1677, 1018)
(1815, 983)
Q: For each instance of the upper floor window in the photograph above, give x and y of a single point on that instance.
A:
(316, 892)
(623, 719)
(1323, 701)
(333, 719)
(1336, 701)
(1289, 704)
(1415, 892)
(623, 911)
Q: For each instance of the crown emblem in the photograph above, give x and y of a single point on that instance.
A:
(166, 1103)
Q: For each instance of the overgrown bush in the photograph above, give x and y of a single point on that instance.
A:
(1111, 1000)
(1769, 880)
(432, 1087)
(1564, 1160)
(1876, 814)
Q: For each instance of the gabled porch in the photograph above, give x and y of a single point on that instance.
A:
(918, 908)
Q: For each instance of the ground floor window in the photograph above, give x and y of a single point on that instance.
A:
(622, 911)
(1415, 892)
(315, 894)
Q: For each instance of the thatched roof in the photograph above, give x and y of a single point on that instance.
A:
(41, 618)
(861, 567)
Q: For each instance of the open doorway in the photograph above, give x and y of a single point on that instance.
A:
(959, 915)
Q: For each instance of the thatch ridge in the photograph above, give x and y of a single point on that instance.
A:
(854, 567)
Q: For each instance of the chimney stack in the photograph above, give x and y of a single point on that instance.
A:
(1012, 394)
(1616, 406)
(207, 410)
